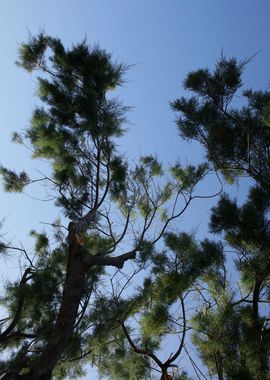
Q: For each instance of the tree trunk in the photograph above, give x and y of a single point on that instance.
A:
(43, 366)
(76, 273)
(165, 376)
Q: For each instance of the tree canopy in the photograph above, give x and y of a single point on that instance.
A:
(117, 277)
(232, 325)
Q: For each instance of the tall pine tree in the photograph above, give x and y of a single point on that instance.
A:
(113, 212)
(231, 327)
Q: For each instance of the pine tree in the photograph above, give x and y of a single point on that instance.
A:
(115, 213)
(230, 327)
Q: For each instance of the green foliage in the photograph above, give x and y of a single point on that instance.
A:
(30, 55)
(153, 323)
(118, 178)
(17, 138)
(266, 115)
(188, 176)
(108, 343)
(225, 79)
(227, 341)
(144, 206)
(12, 181)
(77, 122)
(97, 245)
(154, 167)
(42, 240)
(146, 250)
(123, 364)
(191, 258)
(65, 370)
(235, 140)
(216, 334)
(246, 229)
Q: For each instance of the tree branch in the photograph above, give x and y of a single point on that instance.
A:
(117, 261)
(5, 335)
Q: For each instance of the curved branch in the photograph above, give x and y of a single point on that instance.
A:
(139, 350)
(178, 352)
(5, 335)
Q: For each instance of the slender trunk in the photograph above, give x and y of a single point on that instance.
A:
(219, 367)
(255, 300)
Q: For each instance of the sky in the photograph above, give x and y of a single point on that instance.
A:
(161, 41)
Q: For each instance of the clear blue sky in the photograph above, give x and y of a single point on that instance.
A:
(163, 40)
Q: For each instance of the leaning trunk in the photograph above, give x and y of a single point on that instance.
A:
(43, 366)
